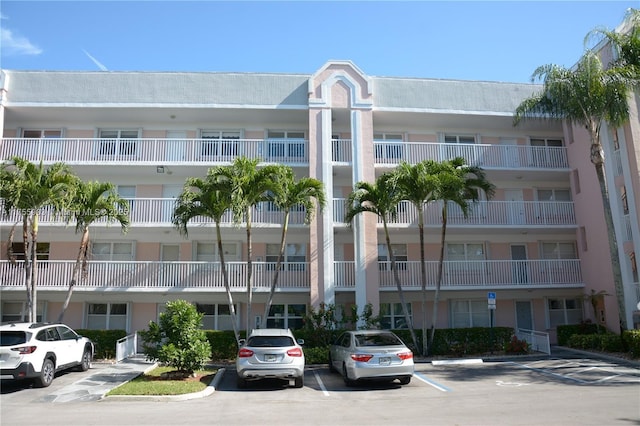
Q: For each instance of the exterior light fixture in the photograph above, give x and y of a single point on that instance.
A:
(159, 169)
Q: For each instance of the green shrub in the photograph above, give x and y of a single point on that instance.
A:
(631, 340)
(317, 355)
(608, 342)
(223, 344)
(177, 339)
(104, 340)
(566, 331)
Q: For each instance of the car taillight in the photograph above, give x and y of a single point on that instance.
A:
(294, 352)
(245, 353)
(361, 357)
(25, 350)
(405, 355)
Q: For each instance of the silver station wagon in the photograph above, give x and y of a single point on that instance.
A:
(371, 355)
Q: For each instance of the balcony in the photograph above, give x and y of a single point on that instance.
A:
(80, 151)
(482, 213)
(287, 151)
(294, 276)
(158, 212)
(469, 275)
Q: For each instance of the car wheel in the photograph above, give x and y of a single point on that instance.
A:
(241, 383)
(405, 380)
(85, 363)
(299, 382)
(46, 374)
(345, 376)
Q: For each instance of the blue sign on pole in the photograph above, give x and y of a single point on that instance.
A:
(491, 295)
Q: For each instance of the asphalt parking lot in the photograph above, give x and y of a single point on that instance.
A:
(544, 390)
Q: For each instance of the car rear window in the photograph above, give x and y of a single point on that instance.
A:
(270, 341)
(382, 339)
(11, 338)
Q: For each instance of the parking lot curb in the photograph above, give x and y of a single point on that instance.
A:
(165, 398)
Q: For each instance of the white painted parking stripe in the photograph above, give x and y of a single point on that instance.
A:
(581, 371)
(319, 380)
(430, 382)
(551, 373)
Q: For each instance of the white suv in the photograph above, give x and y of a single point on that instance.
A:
(270, 354)
(39, 350)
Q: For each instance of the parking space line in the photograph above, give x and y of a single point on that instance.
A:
(319, 380)
(581, 371)
(551, 373)
(430, 382)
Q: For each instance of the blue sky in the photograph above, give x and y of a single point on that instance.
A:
(474, 40)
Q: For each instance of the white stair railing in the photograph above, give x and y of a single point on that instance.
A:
(126, 347)
(537, 340)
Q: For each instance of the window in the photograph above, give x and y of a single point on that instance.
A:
(44, 143)
(544, 142)
(391, 146)
(118, 142)
(18, 311)
(107, 316)
(552, 251)
(286, 316)
(576, 180)
(112, 251)
(295, 256)
(220, 143)
(216, 316)
(465, 251)
(392, 316)
(399, 254)
(564, 311)
(459, 139)
(544, 153)
(554, 195)
(284, 143)
(42, 251)
(208, 252)
(469, 313)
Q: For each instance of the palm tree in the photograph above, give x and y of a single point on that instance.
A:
(206, 198)
(288, 195)
(416, 184)
(590, 95)
(29, 189)
(249, 186)
(460, 184)
(381, 199)
(93, 201)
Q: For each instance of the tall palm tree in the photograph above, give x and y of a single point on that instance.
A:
(249, 186)
(291, 193)
(460, 184)
(206, 198)
(29, 189)
(589, 95)
(381, 198)
(93, 201)
(416, 183)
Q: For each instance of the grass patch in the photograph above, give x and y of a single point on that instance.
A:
(157, 382)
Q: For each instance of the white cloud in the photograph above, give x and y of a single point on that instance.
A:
(13, 44)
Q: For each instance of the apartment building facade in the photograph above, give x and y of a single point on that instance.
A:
(537, 245)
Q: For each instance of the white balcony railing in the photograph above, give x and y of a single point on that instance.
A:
(288, 151)
(154, 151)
(481, 213)
(56, 275)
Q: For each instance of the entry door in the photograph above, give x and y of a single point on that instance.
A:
(524, 315)
(175, 145)
(170, 253)
(515, 199)
(519, 269)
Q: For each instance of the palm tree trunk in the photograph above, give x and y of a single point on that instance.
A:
(27, 266)
(34, 267)
(436, 297)
(82, 253)
(423, 281)
(274, 282)
(225, 279)
(396, 278)
(249, 271)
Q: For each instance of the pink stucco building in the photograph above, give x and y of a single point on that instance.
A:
(539, 244)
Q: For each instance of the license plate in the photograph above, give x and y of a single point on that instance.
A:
(270, 358)
(385, 360)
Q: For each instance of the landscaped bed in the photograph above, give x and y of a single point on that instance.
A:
(166, 381)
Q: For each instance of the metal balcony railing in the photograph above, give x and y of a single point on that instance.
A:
(287, 151)
(294, 276)
(481, 213)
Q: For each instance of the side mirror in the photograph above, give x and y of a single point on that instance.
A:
(300, 342)
(241, 342)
